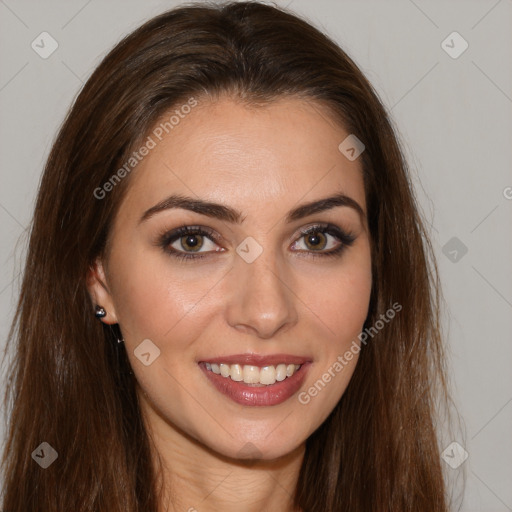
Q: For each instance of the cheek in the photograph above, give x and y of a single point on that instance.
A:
(154, 295)
(340, 299)
(339, 307)
(156, 300)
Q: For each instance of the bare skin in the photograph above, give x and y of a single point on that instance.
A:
(263, 162)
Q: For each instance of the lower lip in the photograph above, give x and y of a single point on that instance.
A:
(244, 394)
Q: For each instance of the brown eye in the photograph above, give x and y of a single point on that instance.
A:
(186, 242)
(191, 242)
(316, 240)
(324, 240)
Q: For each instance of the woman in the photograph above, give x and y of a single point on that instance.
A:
(228, 301)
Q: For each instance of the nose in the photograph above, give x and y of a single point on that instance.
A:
(263, 301)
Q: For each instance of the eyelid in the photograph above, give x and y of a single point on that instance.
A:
(167, 237)
(345, 236)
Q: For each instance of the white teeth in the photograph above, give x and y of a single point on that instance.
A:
(267, 375)
(236, 373)
(280, 372)
(251, 374)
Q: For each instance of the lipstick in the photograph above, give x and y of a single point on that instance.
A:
(253, 394)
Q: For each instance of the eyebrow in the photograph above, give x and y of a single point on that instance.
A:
(229, 214)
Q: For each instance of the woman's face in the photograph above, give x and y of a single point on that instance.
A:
(257, 286)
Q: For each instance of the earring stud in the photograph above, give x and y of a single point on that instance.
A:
(100, 312)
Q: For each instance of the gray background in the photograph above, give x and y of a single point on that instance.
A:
(454, 119)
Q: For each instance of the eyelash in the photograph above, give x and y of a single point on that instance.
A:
(167, 238)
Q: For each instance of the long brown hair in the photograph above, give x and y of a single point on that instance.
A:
(70, 386)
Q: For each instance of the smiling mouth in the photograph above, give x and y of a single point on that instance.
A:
(252, 385)
(254, 376)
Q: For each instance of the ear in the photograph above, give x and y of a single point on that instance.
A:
(99, 291)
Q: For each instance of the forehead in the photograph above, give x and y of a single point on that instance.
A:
(247, 156)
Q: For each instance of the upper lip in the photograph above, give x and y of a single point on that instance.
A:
(258, 359)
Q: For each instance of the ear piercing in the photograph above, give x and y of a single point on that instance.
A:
(100, 313)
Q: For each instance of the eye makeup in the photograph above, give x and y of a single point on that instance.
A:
(194, 233)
